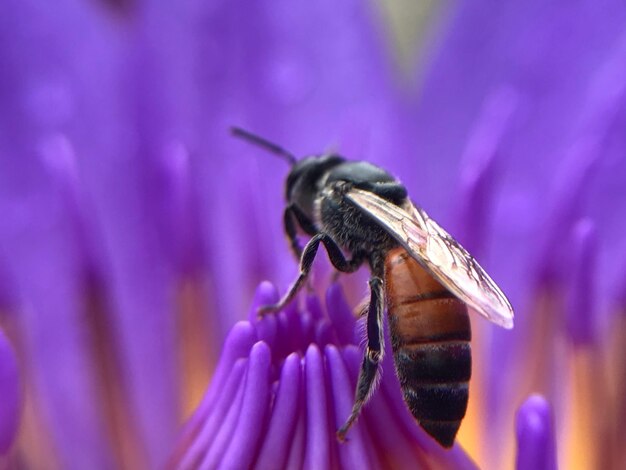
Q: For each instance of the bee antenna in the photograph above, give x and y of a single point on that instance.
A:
(266, 144)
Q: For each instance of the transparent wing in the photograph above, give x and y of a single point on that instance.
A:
(439, 253)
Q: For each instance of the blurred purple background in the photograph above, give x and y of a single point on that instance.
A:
(134, 228)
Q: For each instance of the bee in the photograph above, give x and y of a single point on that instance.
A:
(424, 277)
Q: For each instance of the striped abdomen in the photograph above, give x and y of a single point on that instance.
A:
(430, 334)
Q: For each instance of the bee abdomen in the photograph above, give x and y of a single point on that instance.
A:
(434, 363)
(430, 334)
(435, 383)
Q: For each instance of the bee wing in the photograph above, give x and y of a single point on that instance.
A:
(438, 253)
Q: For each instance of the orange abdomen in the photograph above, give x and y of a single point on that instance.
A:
(430, 334)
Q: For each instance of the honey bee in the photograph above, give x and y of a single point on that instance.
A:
(426, 279)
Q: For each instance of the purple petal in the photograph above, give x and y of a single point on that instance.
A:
(132, 89)
(251, 427)
(620, 294)
(43, 265)
(40, 250)
(314, 307)
(582, 306)
(266, 328)
(478, 169)
(308, 330)
(585, 154)
(325, 334)
(265, 294)
(285, 412)
(237, 345)
(340, 314)
(225, 429)
(10, 391)
(285, 335)
(291, 331)
(204, 426)
(299, 439)
(357, 450)
(536, 449)
(319, 452)
(180, 212)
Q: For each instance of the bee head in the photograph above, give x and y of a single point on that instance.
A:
(305, 181)
(306, 174)
(305, 178)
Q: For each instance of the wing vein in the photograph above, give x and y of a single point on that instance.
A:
(439, 253)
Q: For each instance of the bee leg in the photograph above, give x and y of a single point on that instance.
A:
(373, 355)
(345, 266)
(306, 261)
(291, 216)
(289, 223)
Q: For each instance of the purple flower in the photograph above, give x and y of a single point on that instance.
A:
(283, 387)
(134, 229)
(535, 436)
